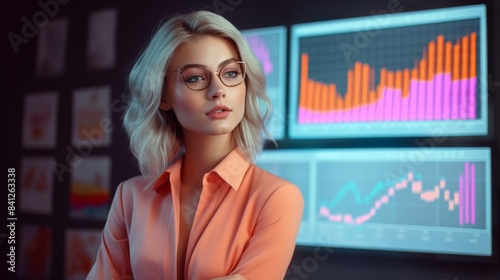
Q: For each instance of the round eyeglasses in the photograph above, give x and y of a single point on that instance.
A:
(199, 77)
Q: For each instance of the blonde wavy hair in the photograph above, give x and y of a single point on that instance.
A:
(155, 135)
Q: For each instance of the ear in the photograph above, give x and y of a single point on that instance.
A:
(164, 105)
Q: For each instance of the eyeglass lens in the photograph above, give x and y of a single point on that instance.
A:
(198, 78)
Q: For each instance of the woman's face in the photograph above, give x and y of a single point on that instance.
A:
(218, 108)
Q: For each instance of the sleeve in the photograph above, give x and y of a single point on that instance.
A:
(112, 261)
(272, 244)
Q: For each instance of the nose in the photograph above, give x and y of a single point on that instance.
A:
(216, 94)
(216, 89)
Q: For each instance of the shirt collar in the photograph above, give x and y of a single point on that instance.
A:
(231, 169)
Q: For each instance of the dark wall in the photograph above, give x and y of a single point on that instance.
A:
(136, 20)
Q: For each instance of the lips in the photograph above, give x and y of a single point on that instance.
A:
(218, 109)
(219, 112)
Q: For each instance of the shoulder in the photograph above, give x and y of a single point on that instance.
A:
(135, 182)
(132, 195)
(277, 198)
(262, 176)
(132, 187)
(267, 184)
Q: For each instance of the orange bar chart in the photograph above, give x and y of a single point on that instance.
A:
(442, 85)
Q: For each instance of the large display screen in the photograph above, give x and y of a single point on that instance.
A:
(269, 45)
(427, 200)
(394, 75)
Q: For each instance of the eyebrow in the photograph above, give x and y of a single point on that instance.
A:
(204, 66)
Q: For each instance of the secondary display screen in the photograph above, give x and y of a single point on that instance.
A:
(429, 200)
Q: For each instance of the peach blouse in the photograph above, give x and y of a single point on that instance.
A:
(246, 224)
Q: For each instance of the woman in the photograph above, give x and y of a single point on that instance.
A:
(201, 210)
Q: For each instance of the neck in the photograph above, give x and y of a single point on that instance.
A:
(203, 153)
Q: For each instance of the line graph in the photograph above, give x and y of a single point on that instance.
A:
(461, 198)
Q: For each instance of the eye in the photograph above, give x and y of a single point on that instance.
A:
(195, 75)
(194, 79)
(231, 74)
(231, 71)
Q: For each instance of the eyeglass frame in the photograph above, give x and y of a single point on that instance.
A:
(217, 73)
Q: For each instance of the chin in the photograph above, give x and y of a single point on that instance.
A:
(213, 128)
(212, 131)
(220, 131)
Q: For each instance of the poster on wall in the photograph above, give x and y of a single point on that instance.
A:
(35, 253)
(80, 250)
(39, 120)
(101, 40)
(92, 117)
(90, 191)
(51, 48)
(36, 185)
